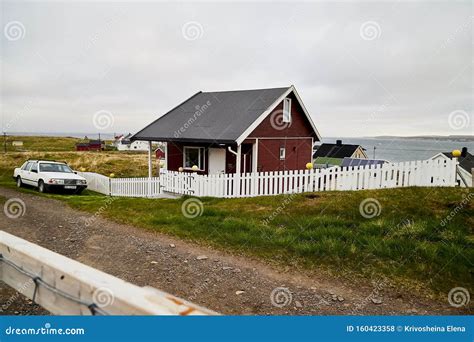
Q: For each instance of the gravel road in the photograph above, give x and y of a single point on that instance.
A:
(223, 282)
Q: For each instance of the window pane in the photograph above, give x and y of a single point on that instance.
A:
(286, 110)
(192, 157)
(282, 153)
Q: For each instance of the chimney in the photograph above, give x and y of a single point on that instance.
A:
(338, 142)
(464, 152)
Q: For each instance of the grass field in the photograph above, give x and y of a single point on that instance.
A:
(122, 164)
(410, 242)
(40, 144)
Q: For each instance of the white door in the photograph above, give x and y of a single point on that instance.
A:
(216, 160)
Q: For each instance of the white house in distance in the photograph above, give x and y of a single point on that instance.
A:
(466, 164)
(123, 143)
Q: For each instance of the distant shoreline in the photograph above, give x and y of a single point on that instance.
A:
(454, 138)
(458, 138)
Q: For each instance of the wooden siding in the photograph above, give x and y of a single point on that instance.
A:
(296, 137)
(299, 127)
(297, 154)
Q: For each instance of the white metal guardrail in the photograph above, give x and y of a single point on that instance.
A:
(66, 287)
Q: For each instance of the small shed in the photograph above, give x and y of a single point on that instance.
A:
(159, 154)
(91, 145)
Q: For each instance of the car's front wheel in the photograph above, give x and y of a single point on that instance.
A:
(19, 183)
(41, 187)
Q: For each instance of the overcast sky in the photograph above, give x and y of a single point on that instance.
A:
(361, 68)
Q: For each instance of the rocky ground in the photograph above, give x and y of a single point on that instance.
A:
(226, 283)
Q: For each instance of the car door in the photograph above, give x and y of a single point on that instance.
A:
(33, 176)
(25, 173)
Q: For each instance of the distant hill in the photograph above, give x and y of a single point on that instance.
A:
(461, 138)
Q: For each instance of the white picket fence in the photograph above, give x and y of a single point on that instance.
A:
(390, 175)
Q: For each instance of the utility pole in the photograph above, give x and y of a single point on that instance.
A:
(4, 142)
(374, 151)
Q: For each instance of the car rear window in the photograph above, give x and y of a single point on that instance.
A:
(53, 167)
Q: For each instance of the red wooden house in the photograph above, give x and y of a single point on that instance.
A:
(91, 145)
(236, 131)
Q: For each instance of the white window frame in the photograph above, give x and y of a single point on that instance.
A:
(287, 110)
(282, 155)
(201, 155)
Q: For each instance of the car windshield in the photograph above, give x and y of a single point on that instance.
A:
(52, 167)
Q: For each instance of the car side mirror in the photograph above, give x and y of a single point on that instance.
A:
(75, 172)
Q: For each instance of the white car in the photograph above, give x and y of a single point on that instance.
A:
(49, 175)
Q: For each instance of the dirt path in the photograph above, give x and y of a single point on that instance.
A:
(216, 282)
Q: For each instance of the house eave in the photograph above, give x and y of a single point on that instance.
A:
(185, 140)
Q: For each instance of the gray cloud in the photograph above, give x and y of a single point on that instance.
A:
(132, 59)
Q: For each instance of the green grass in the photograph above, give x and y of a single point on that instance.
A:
(122, 164)
(323, 231)
(43, 144)
(318, 232)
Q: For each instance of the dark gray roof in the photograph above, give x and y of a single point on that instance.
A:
(335, 150)
(219, 117)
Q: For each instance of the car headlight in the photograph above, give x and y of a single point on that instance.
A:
(82, 181)
(56, 181)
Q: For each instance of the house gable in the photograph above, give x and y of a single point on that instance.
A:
(290, 92)
(273, 125)
(359, 153)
